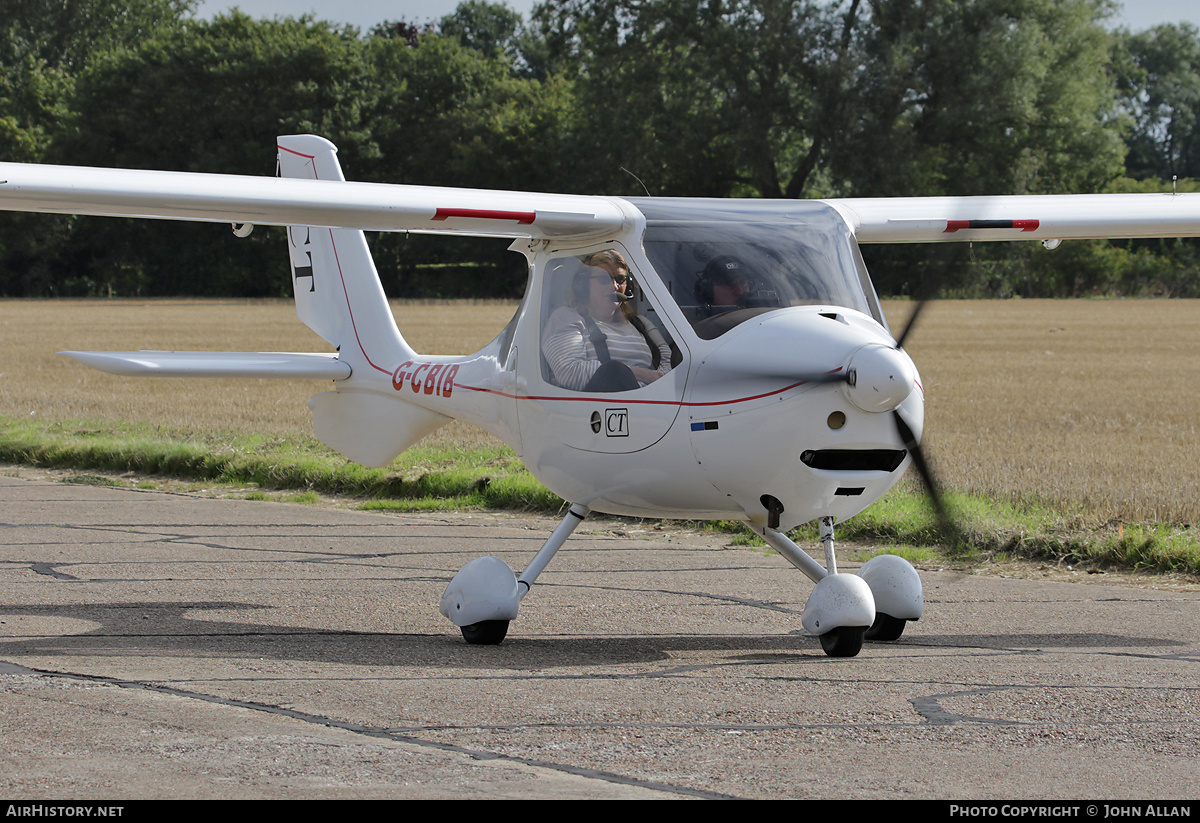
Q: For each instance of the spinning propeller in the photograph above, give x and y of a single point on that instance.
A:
(949, 528)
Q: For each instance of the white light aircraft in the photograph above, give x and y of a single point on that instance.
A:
(770, 388)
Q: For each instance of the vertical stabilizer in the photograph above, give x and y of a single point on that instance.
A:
(338, 294)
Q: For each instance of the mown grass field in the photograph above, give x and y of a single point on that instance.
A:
(39, 383)
(1084, 409)
(1088, 406)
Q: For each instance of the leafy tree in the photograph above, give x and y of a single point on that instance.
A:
(449, 115)
(44, 44)
(983, 97)
(212, 96)
(207, 97)
(445, 114)
(494, 29)
(490, 28)
(32, 100)
(63, 34)
(783, 98)
(702, 97)
(1160, 87)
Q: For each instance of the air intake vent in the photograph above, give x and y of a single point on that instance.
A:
(854, 460)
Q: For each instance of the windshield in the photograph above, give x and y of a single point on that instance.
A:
(725, 261)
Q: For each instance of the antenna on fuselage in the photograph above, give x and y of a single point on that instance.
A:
(635, 177)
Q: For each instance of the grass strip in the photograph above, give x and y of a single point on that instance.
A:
(993, 529)
(422, 479)
(425, 479)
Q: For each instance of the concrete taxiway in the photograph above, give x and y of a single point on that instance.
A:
(170, 645)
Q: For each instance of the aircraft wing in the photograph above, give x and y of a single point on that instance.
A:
(1028, 217)
(230, 198)
(388, 207)
(292, 365)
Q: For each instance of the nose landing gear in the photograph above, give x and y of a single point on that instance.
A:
(845, 609)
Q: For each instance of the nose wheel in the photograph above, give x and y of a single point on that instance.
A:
(885, 628)
(844, 641)
(485, 632)
(845, 609)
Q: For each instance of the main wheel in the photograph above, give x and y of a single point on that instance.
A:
(844, 641)
(485, 632)
(885, 628)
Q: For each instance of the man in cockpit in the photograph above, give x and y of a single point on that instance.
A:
(723, 285)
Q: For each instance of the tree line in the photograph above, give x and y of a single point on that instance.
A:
(715, 98)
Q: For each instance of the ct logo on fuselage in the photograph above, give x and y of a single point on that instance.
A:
(425, 378)
(616, 422)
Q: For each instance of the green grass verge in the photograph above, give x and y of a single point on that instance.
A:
(421, 479)
(904, 519)
(493, 478)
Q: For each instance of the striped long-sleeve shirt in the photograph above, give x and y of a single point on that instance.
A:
(572, 357)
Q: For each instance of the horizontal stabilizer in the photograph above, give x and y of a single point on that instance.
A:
(290, 365)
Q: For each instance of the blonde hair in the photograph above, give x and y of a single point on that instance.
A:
(611, 261)
(607, 260)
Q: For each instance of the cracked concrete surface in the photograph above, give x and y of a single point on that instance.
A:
(166, 645)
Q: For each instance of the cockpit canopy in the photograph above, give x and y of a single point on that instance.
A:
(726, 261)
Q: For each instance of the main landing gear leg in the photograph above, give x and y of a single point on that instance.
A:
(575, 515)
(485, 594)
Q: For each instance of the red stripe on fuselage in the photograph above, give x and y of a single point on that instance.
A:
(625, 400)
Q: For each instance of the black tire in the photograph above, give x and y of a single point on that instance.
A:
(885, 628)
(485, 632)
(844, 641)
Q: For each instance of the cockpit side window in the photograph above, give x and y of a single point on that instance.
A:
(596, 335)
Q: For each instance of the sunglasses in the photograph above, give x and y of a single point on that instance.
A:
(619, 279)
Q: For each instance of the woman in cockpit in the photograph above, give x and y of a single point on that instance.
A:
(598, 343)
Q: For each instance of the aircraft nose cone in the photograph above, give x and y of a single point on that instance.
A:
(879, 378)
